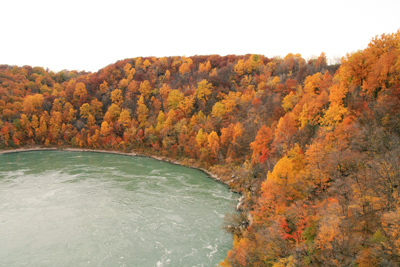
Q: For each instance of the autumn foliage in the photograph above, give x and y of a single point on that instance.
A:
(313, 148)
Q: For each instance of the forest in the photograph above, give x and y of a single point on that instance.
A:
(314, 149)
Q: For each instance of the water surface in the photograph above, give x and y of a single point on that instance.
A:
(93, 209)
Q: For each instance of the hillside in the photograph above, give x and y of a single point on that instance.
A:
(313, 148)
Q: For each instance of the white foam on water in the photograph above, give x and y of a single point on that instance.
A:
(106, 214)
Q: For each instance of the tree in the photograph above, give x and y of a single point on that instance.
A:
(124, 118)
(213, 144)
(286, 171)
(104, 87)
(260, 146)
(32, 104)
(80, 90)
(96, 108)
(203, 90)
(146, 63)
(41, 132)
(116, 97)
(167, 75)
(85, 110)
(201, 138)
(284, 133)
(186, 105)
(105, 129)
(218, 110)
(239, 67)
(112, 113)
(336, 110)
(175, 98)
(138, 63)
(184, 68)
(311, 84)
(205, 67)
(145, 89)
(142, 112)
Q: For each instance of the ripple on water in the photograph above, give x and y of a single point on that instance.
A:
(93, 209)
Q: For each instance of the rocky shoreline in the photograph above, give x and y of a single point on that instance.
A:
(18, 150)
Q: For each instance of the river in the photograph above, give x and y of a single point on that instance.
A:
(62, 208)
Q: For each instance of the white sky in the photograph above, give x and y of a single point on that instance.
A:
(89, 35)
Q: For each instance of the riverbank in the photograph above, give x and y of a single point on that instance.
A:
(18, 150)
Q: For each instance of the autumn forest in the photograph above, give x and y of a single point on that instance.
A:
(314, 149)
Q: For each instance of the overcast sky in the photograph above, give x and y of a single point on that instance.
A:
(89, 35)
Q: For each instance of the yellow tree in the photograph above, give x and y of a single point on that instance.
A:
(239, 67)
(287, 169)
(131, 74)
(165, 90)
(213, 144)
(252, 63)
(105, 129)
(184, 68)
(203, 90)
(55, 126)
(127, 69)
(35, 122)
(201, 138)
(231, 100)
(41, 132)
(142, 112)
(218, 110)
(205, 67)
(146, 63)
(175, 98)
(26, 126)
(336, 111)
(96, 109)
(33, 104)
(160, 121)
(145, 89)
(138, 63)
(91, 121)
(104, 87)
(80, 90)
(167, 75)
(85, 110)
(116, 97)
(124, 118)
(186, 105)
(312, 82)
(57, 105)
(289, 101)
(112, 113)
(274, 82)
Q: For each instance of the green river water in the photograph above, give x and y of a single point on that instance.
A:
(94, 209)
